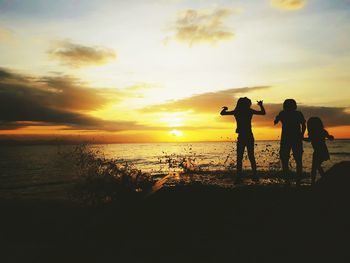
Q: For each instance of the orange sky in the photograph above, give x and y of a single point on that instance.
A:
(111, 72)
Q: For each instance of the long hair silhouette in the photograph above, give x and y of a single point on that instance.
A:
(315, 127)
(317, 135)
(243, 105)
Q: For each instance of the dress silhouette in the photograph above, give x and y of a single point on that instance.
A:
(293, 129)
(317, 136)
(243, 115)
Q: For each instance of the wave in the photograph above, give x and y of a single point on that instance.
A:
(340, 153)
(15, 187)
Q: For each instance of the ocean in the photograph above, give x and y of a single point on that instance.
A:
(47, 169)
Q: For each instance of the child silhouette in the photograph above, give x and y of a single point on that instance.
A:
(293, 129)
(243, 115)
(317, 135)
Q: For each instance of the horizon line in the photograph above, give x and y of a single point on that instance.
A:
(13, 142)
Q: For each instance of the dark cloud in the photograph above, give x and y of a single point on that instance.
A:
(77, 55)
(4, 125)
(4, 74)
(196, 26)
(51, 92)
(68, 93)
(331, 116)
(53, 100)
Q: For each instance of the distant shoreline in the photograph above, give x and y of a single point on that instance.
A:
(68, 142)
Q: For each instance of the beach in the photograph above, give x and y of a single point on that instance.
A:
(80, 205)
(186, 223)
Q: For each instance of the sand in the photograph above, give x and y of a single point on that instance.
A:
(186, 223)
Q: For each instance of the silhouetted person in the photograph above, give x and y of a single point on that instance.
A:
(243, 115)
(317, 136)
(293, 129)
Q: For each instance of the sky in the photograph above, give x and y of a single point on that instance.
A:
(160, 70)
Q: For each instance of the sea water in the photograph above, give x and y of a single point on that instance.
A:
(30, 168)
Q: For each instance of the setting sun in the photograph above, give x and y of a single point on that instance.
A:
(176, 133)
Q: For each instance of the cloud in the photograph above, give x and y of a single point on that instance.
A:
(5, 74)
(211, 103)
(331, 116)
(51, 91)
(288, 4)
(76, 55)
(5, 35)
(58, 100)
(202, 26)
(206, 102)
(4, 125)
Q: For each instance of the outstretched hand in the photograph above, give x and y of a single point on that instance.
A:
(224, 108)
(260, 102)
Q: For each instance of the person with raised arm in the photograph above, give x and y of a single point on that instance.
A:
(243, 114)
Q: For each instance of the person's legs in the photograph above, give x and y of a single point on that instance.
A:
(298, 156)
(320, 169)
(284, 156)
(313, 169)
(240, 150)
(250, 149)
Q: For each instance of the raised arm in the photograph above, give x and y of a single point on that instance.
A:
(262, 109)
(277, 119)
(328, 136)
(225, 112)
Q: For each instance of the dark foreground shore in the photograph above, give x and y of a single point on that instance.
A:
(192, 223)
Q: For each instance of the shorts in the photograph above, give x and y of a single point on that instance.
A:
(295, 146)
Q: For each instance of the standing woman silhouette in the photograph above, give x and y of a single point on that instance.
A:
(243, 115)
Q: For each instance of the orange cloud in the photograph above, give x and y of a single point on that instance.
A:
(76, 55)
(288, 4)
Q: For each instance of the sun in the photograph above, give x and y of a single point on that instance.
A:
(176, 133)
